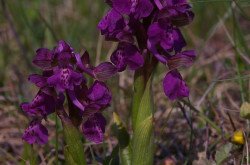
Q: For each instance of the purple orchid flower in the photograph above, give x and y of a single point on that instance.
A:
(40, 80)
(64, 54)
(104, 71)
(174, 86)
(127, 55)
(137, 8)
(63, 74)
(65, 79)
(164, 39)
(98, 96)
(36, 133)
(177, 11)
(182, 59)
(41, 106)
(43, 58)
(93, 100)
(94, 128)
(63, 47)
(60, 55)
(101, 72)
(115, 27)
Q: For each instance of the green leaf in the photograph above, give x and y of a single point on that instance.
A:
(74, 143)
(125, 155)
(146, 105)
(139, 86)
(68, 158)
(142, 149)
(123, 139)
(222, 153)
(142, 142)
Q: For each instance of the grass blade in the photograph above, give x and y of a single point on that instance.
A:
(29, 155)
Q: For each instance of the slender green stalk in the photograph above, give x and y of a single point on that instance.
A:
(142, 141)
(74, 143)
(56, 146)
(139, 86)
(74, 150)
(141, 78)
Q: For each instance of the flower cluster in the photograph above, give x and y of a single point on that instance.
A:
(63, 76)
(150, 26)
(142, 27)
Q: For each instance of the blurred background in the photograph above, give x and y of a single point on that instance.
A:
(195, 133)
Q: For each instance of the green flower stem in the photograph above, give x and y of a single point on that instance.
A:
(73, 151)
(74, 143)
(139, 87)
(142, 141)
(56, 145)
(142, 114)
(141, 79)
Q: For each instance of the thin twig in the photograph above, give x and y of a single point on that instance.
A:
(185, 115)
(231, 121)
(190, 123)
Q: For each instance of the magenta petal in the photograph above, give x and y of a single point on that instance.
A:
(158, 37)
(163, 39)
(43, 58)
(99, 94)
(179, 41)
(36, 133)
(127, 55)
(114, 27)
(135, 61)
(63, 46)
(64, 59)
(122, 6)
(182, 59)
(138, 8)
(94, 128)
(110, 22)
(160, 4)
(38, 80)
(75, 101)
(143, 9)
(152, 47)
(41, 106)
(104, 71)
(27, 109)
(119, 59)
(65, 79)
(177, 11)
(81, 63)
(174, 86)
